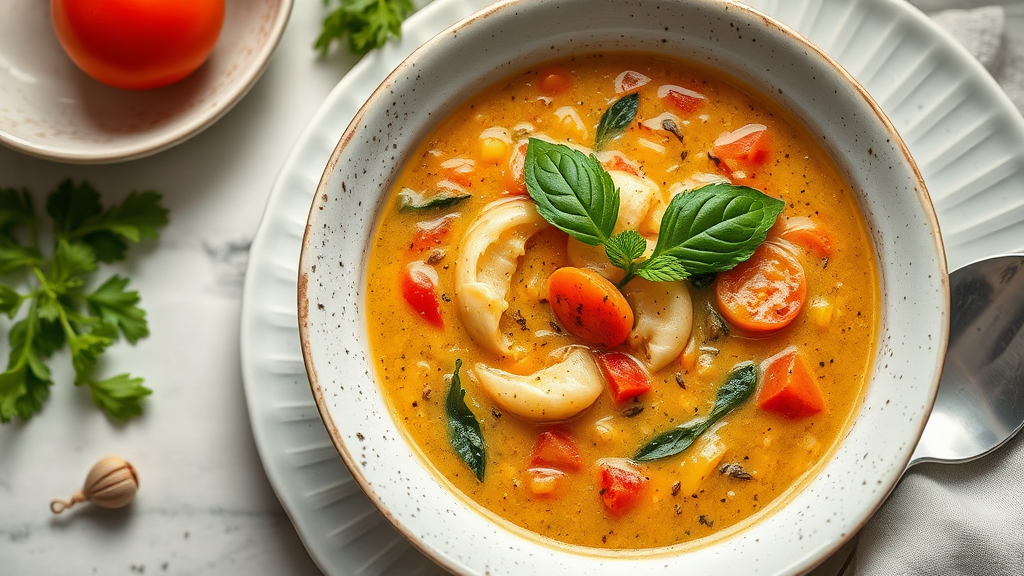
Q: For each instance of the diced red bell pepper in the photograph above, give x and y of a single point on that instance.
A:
(743, 149)
(419, 288)
(556, 449)
(621, 485)
(789, 388)
(625, 375)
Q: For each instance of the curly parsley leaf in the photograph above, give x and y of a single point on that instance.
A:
(464, 432)
(120, 396)
(119, 308)
(60, 311)
(368, 24)
(625, 248)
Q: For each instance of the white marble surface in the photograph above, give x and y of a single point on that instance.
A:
(205, 506)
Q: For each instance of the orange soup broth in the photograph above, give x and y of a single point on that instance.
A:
(687, 498)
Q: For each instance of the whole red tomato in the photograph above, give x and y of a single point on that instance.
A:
(138, 44)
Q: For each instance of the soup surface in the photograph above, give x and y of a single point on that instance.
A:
(569, 380)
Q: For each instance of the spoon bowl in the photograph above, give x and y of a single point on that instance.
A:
(980, 402)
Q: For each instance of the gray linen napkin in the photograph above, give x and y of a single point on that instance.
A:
(965, 519)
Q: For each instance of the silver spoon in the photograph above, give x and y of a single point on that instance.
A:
(980, 403)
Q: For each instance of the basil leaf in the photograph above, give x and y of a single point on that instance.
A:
(739, 385)
(714, 228)
(572, 191)
(616, 119)
(464, 432)
(409, 199)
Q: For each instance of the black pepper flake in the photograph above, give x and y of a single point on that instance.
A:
(676, 487)
(360, 436)
(436, 256)
(679, 380)
(446, 297)
(705, 521)
(679, 510)
(495, 413)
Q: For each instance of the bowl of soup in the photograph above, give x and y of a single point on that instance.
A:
(610, 287)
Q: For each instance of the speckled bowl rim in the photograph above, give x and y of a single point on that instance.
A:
(165, 140)
(381, 94)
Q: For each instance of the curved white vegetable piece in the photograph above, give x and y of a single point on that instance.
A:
(635, 197)
(488, 257)
(663, 318)
(557, 392)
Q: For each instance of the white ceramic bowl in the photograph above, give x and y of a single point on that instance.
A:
(51, 109)
(796, 532)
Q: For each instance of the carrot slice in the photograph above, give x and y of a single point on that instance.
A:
(589, 306)
(763, 294)
(789, 388)
(626, 377)
(556, 449)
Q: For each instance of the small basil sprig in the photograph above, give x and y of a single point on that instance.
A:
(616, 119)
(739, 385)
(708, 230)
(464, 432)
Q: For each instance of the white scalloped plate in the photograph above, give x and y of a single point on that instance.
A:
(966, 136)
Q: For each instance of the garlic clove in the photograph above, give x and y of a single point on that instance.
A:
(112, 483)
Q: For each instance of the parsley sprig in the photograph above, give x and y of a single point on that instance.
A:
(708, 230)
(368, 24)
(59, 308)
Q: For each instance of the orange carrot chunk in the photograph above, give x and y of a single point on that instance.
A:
(589, 306)
(789, 388)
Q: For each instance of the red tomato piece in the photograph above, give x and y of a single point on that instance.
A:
(556, 449)
(419, 288)
(629, 80)
(789, 388)
(625, 375)
(765, 293)
(683, 99)
(431, 234)
(743, 149)
(589, 306)
(137, 44)
(554, 80)
(621, 485)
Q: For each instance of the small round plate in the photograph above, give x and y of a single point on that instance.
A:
(51, 109)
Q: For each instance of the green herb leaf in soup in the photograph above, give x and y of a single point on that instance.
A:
(409, 199)
(714, 228)
(464, 432)
(739, 385)
(616, 119)
(572, 191)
